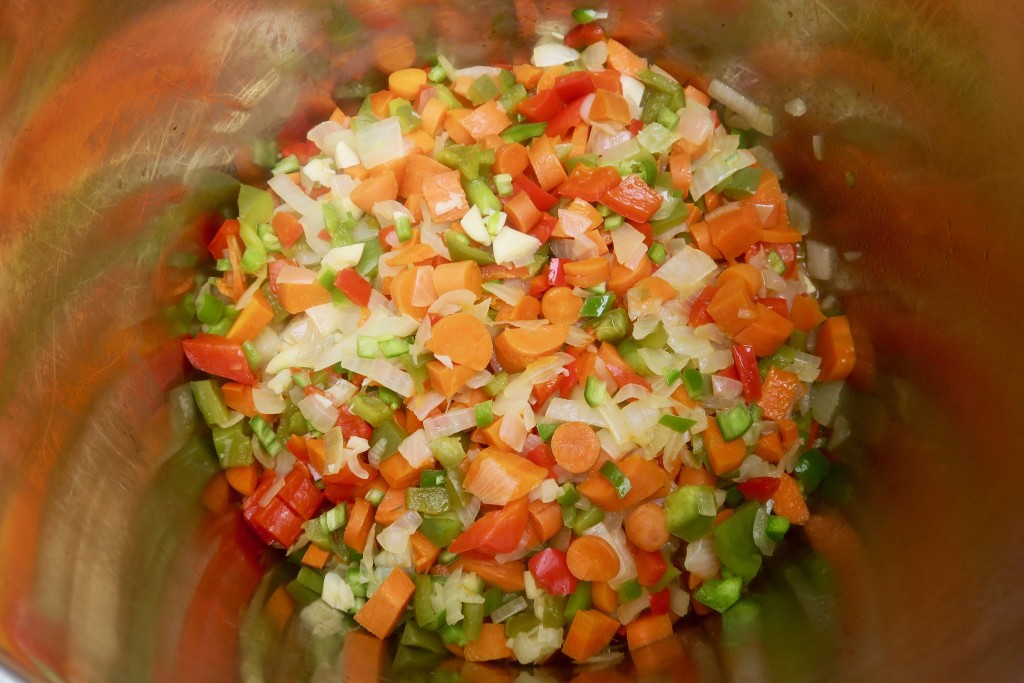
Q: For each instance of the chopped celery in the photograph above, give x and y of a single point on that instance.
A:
(265, 433)
(578, 600)
(521, 132)
(657, 253)
(484, 414)
(496, 384)
(545, 430)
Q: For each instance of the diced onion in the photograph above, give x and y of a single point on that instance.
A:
(416, 450)
(726, 387)
(267, 402)
(422, 404)
(384, 373)
(337, 593)
(509, 609)
(512, 246)
(595, 55)
(821, 260)
(319, 411)
(758, 117)
(553, 54)
(565, 410)
(825, 398)
(629, 246)
(509, 295)
(679, 600)
(688, 270)
(395, 537)
(717, 168)
(380, 142)
(629, 611)
(452, 422)
(292, 195)
(701, 558)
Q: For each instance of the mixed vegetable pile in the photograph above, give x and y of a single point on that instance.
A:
(520, 359)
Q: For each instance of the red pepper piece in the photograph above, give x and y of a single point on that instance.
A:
(569, 381)
(574, 85)
(541, 107)
(545, 390)
(542, 457)
(567, 118)
(544, 228)
(219, 356)
(745, 363)
(275, 522)
(219, 243)
(304, 150)
(353, 425)
(759, 488)
(354, 286)
(551, 572)
(496, 532)
(633, 199)
(584, 35)
(699, 311)
(541, 199)
(299, 493)
(777, 304)
(556, 272)
(589, 183)
(660, 602)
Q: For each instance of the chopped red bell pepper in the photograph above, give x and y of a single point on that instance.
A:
(496, 532)
(574, 85)
(354, 286)
(589, 183)
(304, 150)
(729, 372)
(775, 303)
(218, 356)
(274, 522)
(541, 199)
(746, 366)
(660, 602)
(584, 35)
(550, 570)
(569, 380)
(569, 117)
(633, 199)
(219, 243)
(542, 391)
(539, 283)
(353, 425)
(556, 272)
(299, 493)
(786, 251)
(635, 126)
(274, 269)
(759, 488)
(541, 107)
(621, 376)
(387, 236)
(542, 457)
(699, 311)
(544, 228)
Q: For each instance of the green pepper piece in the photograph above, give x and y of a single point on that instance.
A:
(448, 451)
(391, 434)
(457, 494)
(776, 527)
(568, 495)
(493, 599)
(595, 392)
(521, 132)
(371, 408)
(372, 250)
(630, 590)
(209, 309)
(596, 306)
(232, 446)
(811, 468)
(210, 401)
(613, 326)
(674, 219)
(423, 608)
(432, 501)
(481, 196)
(578, 600)
(676, 423)
(454, 635)
(545, 430)
(656, 339)
(472, 620)
(460, 250)
(482, 89)
(734, 422)
(440, 530)
(254, 205)
(302, 595)
(693, 382)
(629, 349)
(658, 81)
(512, 97)
(311, 579)
(414, 635)
(431, 478)
(690, 512)
(719, 594)
(584, 519)
(585, 159)
(670, 575)
(497, 384)
(418, 372)
(734, 542)
(651, 104)
(521, 623)
(552, 611)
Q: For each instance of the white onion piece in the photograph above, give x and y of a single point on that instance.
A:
(825, 398)
(611, 531)
(423, 292)
(452, 302)
(395, 537)
(509, 295)
(679, 600)
(468, 512)
(761, 540)
(595, 55)
(726, 387)
(821, 260)
(452, 422)
(629, 246)
(318, 410)
(565, 410)
(267, 402)
(293, 275)
(422, 404)
(629, 611)
(292, 195)
(717, 168)
(384, 373)
(553, 54)
(416, 451)
(341, 391)
(758, 117)
(701, 558)
(380, 142)
(688, 270)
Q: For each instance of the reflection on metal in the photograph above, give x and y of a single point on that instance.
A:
(118, 122)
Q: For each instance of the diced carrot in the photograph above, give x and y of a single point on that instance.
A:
(724, 456)
(497, 477)
(408, 255)
(382, 611)
(527, 75)
(550, 75)
(392, 506)
(296, 297)
(522, 213)
(579, 217)
(695, 476)
(432, 116)
(464, 339)
(645, 478)
(591, 558)
(560, 305)
(423, 141)
(734, 229)
(681, 171)
(766, 332)
(702, 237)
(608, 106)
(790, 433)
(461, 85)
(455, 128)
(546, 165)
(407, 83)
(789, 502)
(316, 450)
(492, 141)
(783, 236)
(487, 119)
(398, 473)
(445, 197)
(732, 307)
(527, 308)
(448, 381)
(379, 188)
(360, 520)
(396, 166)
(779, 393)
(746, 274)
(696, 95)
(546, 518)
(624, 60)
(666, 658)
(806, 313)
(598, 238)
(604, 597)
(217, 494)
(835, 346)
(359, 172)
(238, 397)
(402, 287)
(588, 272)
(647, 629)
(279, 608)
(769, 447)
(363, 657)
(424, 553)
(508, 576)
(288, 228)
(621, 279)
(511, 159)
(315, 556)
(379, 103)
(645, 527)
(618, 368)
(655, 287)
(580, 136)
(589, 633)
(491, 436)
(518, 347)
(449, 277)
(243, 479)
(490, 646)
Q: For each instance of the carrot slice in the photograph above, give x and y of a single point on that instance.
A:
(487, 119)
(648, 629)
(604, 597)
(589, 633)
(546, 518)
(382, 611)
(546, 165)
(588, 272)
(511, 159)
(734, 230)
(835, 346)
(621, 279)
(560, 305)
(591, 558)
(379, 188)
(789, 502)
(517, 348)
(418, 167)
(464, 339)
(448, 381)
(645, 478)
(645, 527)
(575, 447)
(449, 277)
(508, 576)
(806, 313)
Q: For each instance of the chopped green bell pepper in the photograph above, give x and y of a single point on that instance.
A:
(734, 542)
(690, 512)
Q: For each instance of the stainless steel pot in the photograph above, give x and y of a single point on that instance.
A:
(114, 118)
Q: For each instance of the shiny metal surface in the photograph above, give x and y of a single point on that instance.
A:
(115, 117)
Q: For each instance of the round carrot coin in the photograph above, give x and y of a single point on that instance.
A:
(591, 558)
(575, 447)
(645, 527)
